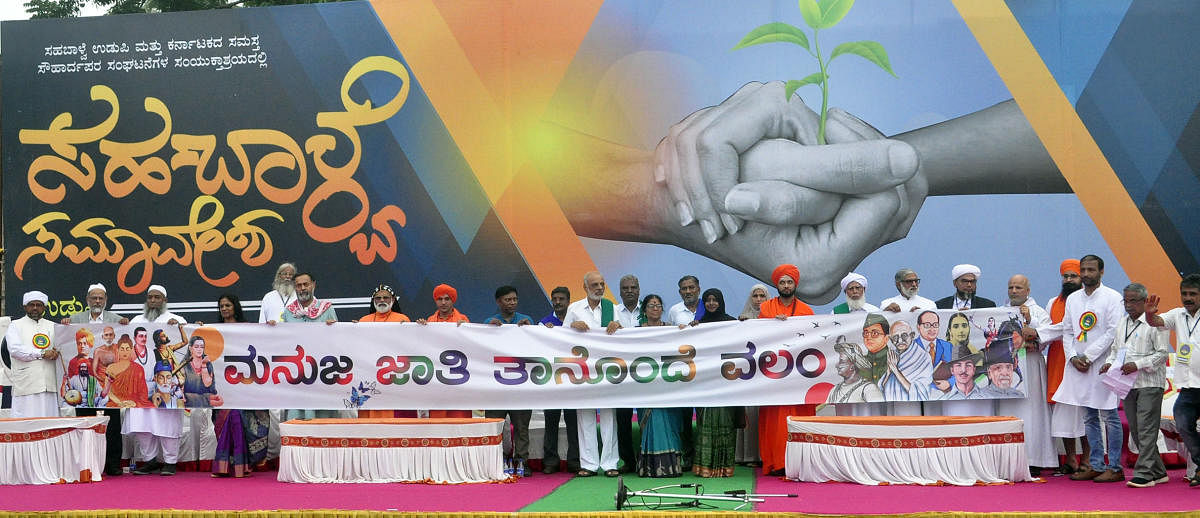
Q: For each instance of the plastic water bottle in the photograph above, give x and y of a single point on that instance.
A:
(508, 467)
(520, 469)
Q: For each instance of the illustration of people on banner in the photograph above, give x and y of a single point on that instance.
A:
(113, 374)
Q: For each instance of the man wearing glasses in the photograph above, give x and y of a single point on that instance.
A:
(908, 284)
(965, 277)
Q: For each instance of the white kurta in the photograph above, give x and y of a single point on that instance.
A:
(28, 340)
(272, 306)
(1034, 411)
(1085, 388)
(906, 305)
(1038, 317)
(162, 422)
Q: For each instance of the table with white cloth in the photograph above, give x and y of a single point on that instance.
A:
(450, 450)
(961, 451)
(49, 450)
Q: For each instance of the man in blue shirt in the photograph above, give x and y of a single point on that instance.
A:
(506, 301)
(560, 299)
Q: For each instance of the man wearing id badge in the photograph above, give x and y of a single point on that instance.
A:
(1141, 350)
(1185, 321)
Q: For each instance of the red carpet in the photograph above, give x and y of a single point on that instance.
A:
(198, 491)
(1057, 494)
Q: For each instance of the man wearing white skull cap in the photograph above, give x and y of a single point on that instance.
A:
(965, 277)
(156, 429)
(97, 309)
(855, 288)
(31, 345)
(97, 313)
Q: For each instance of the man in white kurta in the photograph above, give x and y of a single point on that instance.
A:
(31, 348)
(1033, 409)
(595, 312)
(1088, 326)
(156, 429)
(909, 285)
(283, 292)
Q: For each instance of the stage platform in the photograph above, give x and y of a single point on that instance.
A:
(196, 494)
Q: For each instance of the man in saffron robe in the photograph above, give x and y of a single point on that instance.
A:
(772, 420)
(1066, 420)
(445, 296)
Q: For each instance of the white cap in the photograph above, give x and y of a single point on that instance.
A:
(31, 296)
(158, 288)
(854, 277)
(97, 286)
(963, 269)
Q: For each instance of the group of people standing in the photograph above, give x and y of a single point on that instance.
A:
(1088, 330)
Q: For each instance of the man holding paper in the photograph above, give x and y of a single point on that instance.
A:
(1140, 350)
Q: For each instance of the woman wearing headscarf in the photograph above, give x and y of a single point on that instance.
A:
(661, 451)
(717, 437)
(746, 446)
(758, 294)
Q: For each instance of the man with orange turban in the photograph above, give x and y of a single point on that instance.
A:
(772, 420)
(444, 296)
(1066, 421)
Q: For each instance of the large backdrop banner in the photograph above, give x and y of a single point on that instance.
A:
(481, 144)
(853, 358)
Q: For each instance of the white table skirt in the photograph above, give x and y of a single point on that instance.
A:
(907, 450)
(391, 450)
(52, 449)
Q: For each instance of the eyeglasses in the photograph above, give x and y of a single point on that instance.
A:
(872, 333)
(654, 306)
(928, 325)
(911, 281)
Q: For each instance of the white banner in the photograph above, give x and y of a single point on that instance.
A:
(815, 359)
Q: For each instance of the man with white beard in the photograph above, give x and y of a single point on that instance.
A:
(595, 312)
(855, 288)
(283, 292)
(908, 284)
(156, 429)
(98, 313)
